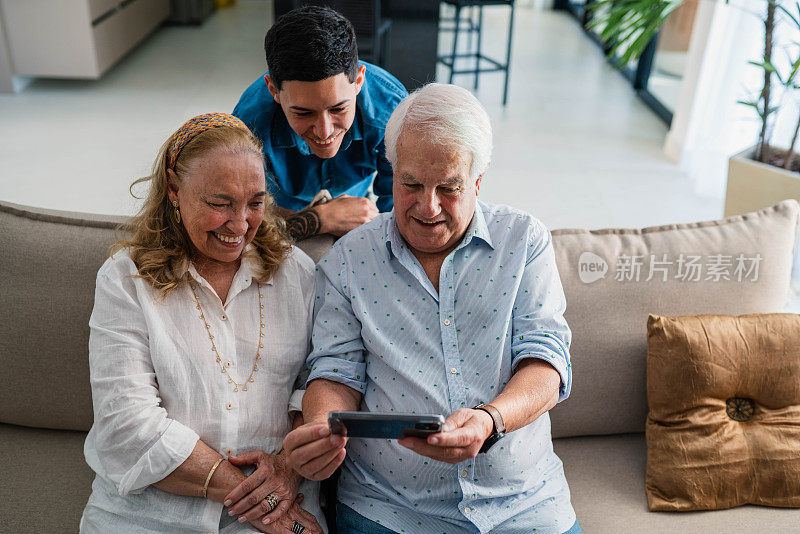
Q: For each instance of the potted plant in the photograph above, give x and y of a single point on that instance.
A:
(763, 174)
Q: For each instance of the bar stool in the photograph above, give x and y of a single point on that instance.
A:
(471, 27)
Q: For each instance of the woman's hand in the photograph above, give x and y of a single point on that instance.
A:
(272, 476)
(284, 524)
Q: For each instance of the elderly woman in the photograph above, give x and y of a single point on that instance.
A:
(199, 331)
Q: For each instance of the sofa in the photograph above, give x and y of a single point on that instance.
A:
(48, 263)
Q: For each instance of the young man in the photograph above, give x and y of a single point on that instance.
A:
(321, 114)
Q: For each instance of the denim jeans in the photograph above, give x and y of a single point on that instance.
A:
(348, 521)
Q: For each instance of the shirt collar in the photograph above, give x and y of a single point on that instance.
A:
(477, 229)
(241, 280)
(282, 135)
(394, 241)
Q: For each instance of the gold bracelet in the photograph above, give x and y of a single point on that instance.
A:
(211, 474)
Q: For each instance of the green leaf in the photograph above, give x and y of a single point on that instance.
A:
(788, 13)
(790, 79)
(628, 26)
(764, 65)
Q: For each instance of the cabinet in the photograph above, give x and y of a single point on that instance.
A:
(75, 38)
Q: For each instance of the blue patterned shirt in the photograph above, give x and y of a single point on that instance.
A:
(295, 174)
(382, 329)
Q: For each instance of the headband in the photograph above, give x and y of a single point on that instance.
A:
(194, 127)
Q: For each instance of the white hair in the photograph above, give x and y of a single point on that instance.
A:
(447, 115)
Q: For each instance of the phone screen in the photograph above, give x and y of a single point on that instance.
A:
(380, 427)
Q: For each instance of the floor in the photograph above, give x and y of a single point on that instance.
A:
(666, 78)
(574, 146)
(77, 145)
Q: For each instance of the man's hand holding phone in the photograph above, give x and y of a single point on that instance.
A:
(462, 437)
(316, 450)
(313, 451)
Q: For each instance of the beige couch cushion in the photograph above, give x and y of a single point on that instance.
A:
(49, 263)
(724, 422)
(45, 481)
(606, 478)
(608, 316)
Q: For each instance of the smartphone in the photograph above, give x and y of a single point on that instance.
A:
(387, 425)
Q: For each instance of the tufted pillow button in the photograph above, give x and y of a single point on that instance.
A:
(740, 409)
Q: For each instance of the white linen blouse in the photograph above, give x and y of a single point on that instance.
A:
(157, 387)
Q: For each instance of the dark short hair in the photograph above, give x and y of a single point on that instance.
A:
(309, 44)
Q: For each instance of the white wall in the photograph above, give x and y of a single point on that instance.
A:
(709, 125)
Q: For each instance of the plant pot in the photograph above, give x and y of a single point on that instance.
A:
(753, 185)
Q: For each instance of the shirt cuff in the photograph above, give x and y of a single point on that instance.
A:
(296, 401)
(165, 456)
(351, 374)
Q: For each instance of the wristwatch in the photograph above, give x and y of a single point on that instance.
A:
(499, 427)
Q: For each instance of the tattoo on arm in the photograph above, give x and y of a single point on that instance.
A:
(303, 224)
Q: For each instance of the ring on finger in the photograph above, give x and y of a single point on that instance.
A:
(272, 500)
(297, 528)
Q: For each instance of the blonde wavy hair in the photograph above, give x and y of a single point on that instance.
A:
(159, 245)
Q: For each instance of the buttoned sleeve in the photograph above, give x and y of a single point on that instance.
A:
(539, 328)
(136, 442)
(338, 350)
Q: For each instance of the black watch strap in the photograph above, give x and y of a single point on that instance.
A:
(499, 427)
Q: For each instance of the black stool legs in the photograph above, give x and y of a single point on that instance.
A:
(478, 55)
(455, 43)
(450, 60)
(508, 54)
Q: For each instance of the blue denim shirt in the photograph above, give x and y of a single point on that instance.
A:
(295, 174)
(382, 329)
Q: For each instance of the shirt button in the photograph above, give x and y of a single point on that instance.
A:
(447, 322)
(224, 317)
(453, 371)
(229, 406)
(464, 473)
(467, 510)
(228, 363)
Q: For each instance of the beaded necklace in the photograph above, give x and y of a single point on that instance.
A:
(236, 385)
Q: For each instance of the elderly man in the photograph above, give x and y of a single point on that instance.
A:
(445, 305)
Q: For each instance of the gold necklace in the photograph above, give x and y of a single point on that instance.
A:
(236, 384)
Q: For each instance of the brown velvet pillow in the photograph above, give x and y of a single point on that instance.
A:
(724, 422)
